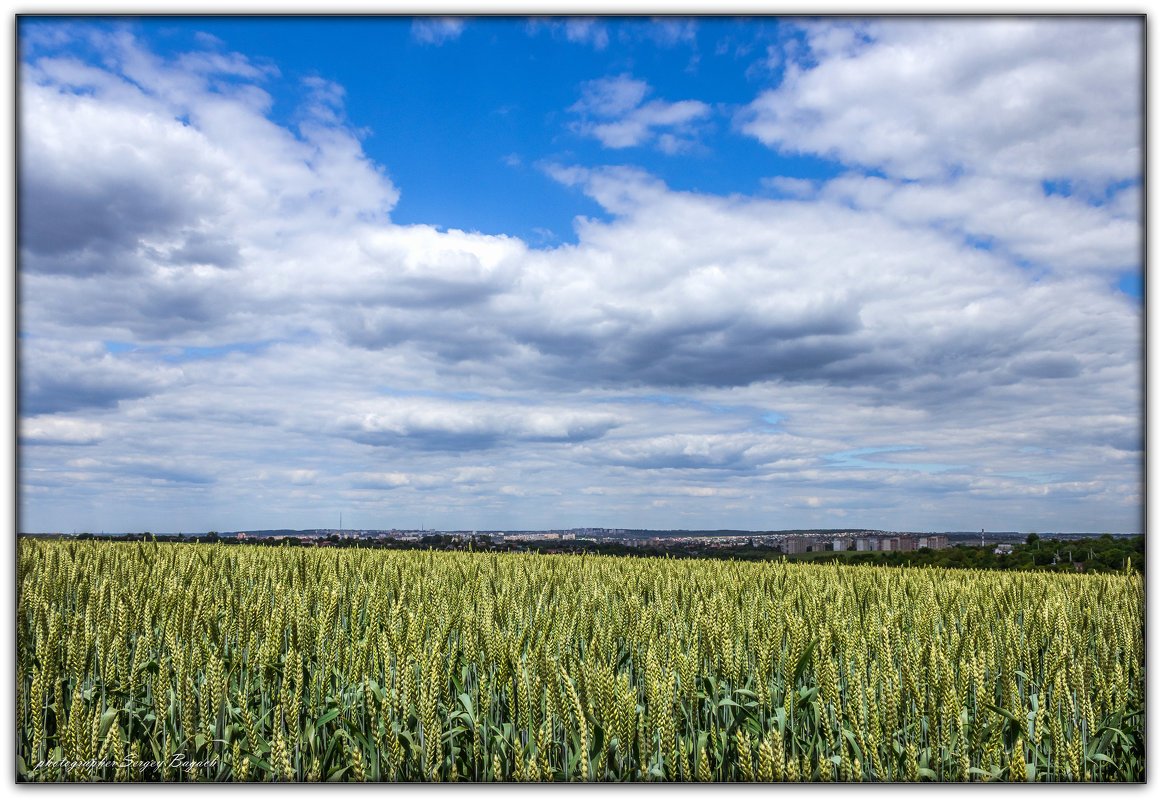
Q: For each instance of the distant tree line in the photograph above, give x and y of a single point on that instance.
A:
(1104, 554)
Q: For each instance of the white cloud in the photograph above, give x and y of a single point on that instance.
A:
(60, 376)
(473, 475)
(206, 63)
(689, 451)
(669, 32)
(663, 32)
(382, 480)
(54, 430)
(436, 424)
(791, 187)
(437, 30)
(1058, 232)
(1035, 99)
(611, 110)
(302, 477)
(229, 173)
(578, 30)
(611, 97)
(587, 31)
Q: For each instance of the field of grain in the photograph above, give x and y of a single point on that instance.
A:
(196, 662)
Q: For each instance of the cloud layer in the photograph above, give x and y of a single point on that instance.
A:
(222, 327)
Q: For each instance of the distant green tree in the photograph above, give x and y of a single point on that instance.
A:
(1032, 539)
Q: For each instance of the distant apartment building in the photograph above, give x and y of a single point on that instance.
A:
(817, 545)
(933, 541)
(795, 545)
(867, 544)
(905, 544)
(841, 543)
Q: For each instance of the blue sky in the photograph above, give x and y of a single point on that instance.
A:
(513, 273)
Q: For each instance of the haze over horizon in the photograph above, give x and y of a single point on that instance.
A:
(505, 273)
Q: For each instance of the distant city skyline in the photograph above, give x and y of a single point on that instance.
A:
(516, 274)
(819, 531)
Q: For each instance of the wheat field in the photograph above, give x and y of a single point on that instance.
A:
(177, 662)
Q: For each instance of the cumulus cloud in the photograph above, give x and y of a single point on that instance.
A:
(381, 480)
(1057, 232)
(971, 126)
(587, 31)
(578, 30)
(918, 98)
(689, 451)
(96, 142)
(437, 30)
(447, 425)
(663, 32)
(670, 31)
(791, 187)
(612, 110)
(162, 471)
(54, 430)
(721, 294)
(68, 377)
